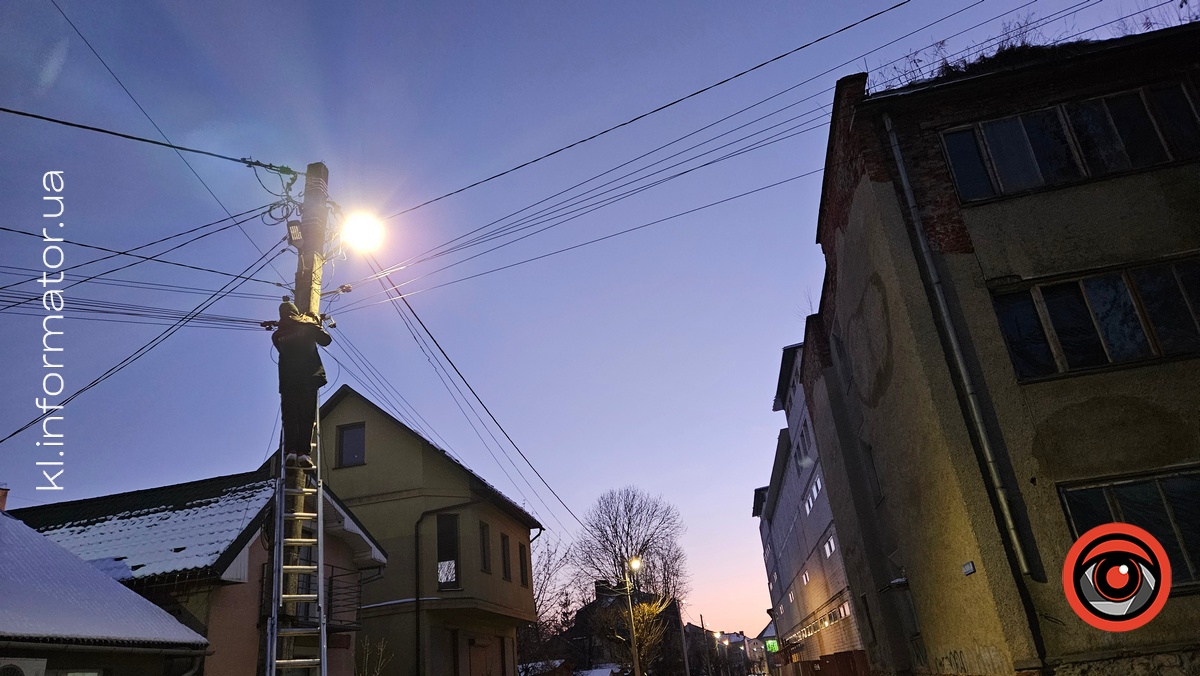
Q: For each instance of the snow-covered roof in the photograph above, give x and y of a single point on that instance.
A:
(50, 595)
(198, 526)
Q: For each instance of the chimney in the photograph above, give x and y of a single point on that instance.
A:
(3, 497)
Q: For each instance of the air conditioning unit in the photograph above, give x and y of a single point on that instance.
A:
(22, 666)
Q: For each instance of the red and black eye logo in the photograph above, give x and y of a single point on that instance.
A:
(1116, 577)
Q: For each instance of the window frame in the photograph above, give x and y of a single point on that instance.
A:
(456, 583)
(1157, 352)
(505, 557)
(341, 429)
(1116, 511)
(485, 547)
(523, 563)
(1085, 173)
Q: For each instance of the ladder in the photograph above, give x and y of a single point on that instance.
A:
(296, 630)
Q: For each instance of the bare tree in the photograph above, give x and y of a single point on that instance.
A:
(612, 624)
(373, 657)
(553, 601)
(626, 523)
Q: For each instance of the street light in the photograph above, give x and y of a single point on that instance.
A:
(632, 564)
(362, 232)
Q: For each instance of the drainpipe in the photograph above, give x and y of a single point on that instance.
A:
(417, 573)
(195, 667)
(960, 364)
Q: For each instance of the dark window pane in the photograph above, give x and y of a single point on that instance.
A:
(485, 547)
(1088, 509)
(523, 563)
(1073, 323)
(1102, 151)
(1022, 329)
(1189, 276)
(1011, 155)
(352, 445)
(447, 551)
(1050, 146)
(970, 174)
(1172, 321)
(1142, 506)
(1133, 123)
(1176, 120)
(1183, 494)
(1118, 320)
(505, 560)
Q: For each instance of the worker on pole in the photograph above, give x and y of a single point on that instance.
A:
(301, 375)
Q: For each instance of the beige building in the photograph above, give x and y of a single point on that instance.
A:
(1005, 353)
(458, 581)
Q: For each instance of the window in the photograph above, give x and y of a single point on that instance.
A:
(485, 547)
(830, 547)
(351, 445)
(804, 578)
(505, 560)
(447, 551)
(1123, 131)
(813, 492)
(1135, 314)
(791, 596)
(523, 563)
(1165, 506)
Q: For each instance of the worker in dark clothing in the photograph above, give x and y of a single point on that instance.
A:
(301, 374)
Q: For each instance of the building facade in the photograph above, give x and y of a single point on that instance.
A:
(459, 580)
(1005, 353)
(806, 577)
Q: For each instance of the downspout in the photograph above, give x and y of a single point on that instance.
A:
(417, 574)
(195, 667)
(960, 364)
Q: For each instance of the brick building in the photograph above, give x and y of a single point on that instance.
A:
(806, 577)
(1005, 351)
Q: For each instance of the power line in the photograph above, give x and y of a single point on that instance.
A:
(651, 112)
(375, 263)
(154, 342)
(75, 125)
(146, 258)
(161, 132)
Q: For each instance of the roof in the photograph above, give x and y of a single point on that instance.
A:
(51, 595)
(1025, 57)
(785, 375)
(478, 483)
(196, 528)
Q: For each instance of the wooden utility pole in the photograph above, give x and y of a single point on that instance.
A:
(314, 224)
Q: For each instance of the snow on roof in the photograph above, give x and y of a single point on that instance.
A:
(171, 529)
(49, 594)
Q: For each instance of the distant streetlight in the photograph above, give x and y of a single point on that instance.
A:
(362, 232)
(632, 564)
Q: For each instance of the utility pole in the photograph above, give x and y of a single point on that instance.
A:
(704, 630)
(298, 576)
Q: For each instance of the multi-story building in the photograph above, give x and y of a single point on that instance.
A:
(810, 594)
(458, 581)
(1005, 353)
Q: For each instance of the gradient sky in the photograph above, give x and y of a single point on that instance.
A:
(647, 359)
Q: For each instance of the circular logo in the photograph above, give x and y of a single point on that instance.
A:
(1116, 577)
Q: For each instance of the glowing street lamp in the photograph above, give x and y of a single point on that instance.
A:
(362, 232)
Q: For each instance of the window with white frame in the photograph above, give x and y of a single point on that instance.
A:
(830, 547)
(813, 491)
(1072, 141)
(791, 596)
(804, 578)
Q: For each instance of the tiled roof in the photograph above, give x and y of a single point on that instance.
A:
(50, 595)
(198, 526)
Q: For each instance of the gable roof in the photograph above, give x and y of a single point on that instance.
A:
(196, 528)
(52, 596)
(478, 483)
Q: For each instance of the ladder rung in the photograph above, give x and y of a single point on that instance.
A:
(299, 491)
(299, 569)
(299, 598)
(300, 516)
(299, 542)
(299, 631)
(304, 663)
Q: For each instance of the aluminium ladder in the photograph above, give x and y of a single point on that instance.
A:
(296, 639)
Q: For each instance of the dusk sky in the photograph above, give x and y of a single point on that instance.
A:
(647, 359)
